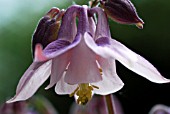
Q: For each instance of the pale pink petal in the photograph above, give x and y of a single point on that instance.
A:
(111, 83)
(64, 88)
(83, 67)
(59, 65)
(99, 50)
(137, 63)
(32, 79)
(39, 55)
(115, 50)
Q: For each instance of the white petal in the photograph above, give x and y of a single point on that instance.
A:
(137, 63)
(111, 83)
(111, 51)
(102, 51)
(128, 58)
(59, 65)
(31, 81)
(83, 67)
(64, 88)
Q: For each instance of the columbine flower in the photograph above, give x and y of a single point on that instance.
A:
(82, 60)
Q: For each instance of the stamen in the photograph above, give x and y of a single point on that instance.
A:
(139, 25)
(100, 71)
(72, 94)
(84, 93)
(95, 86)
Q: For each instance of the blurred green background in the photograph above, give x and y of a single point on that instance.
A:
(18, 20)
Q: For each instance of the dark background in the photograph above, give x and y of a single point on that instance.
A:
(18, 21)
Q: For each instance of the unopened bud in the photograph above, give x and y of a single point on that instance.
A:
(122, 11)
(47, 29)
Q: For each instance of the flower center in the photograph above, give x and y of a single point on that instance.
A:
(84, 93)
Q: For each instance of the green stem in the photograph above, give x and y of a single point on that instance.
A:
(93, 3)
(109, 102)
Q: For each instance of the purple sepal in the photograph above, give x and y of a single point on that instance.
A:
(56, 45)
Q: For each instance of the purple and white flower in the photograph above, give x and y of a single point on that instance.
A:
(81, 61)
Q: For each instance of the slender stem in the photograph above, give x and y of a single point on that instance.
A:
(109, 102)
(93, 3)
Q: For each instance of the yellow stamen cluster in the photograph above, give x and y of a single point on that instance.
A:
(84, 93)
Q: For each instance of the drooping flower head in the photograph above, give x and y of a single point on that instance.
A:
(81, 61)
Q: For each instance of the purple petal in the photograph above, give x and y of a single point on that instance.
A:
(63, 88)
(102, 29)
(59, 47)
(32, 79)
(111, 83)
(59, 65)
(68, 27)
(83, 67)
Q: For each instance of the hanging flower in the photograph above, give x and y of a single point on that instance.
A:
(82, 59)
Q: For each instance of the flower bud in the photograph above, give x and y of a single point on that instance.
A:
(47, 29)
(122, 11)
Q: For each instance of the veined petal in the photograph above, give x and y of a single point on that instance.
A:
(59, 47)
(59, 65)
(102, 29)
(111, 82)
(63, 88)
(32, 79)
(128, 58)
(139, 65)
(83, 67)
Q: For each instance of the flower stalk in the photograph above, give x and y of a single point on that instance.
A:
(109, 102)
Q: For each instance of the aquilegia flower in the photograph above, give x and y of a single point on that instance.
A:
(81, 61)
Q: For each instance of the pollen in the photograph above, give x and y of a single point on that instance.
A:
(84, 93)
(139, 25)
